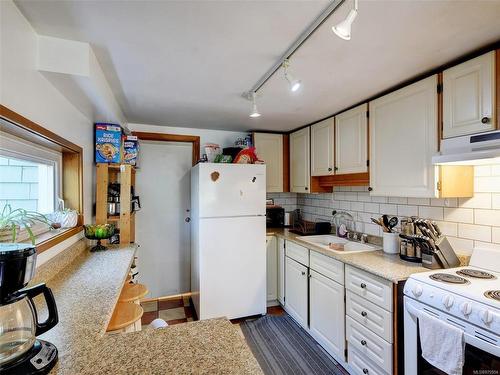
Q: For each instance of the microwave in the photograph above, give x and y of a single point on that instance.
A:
(275, 217)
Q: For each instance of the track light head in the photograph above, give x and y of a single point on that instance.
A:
(293, 82)
(255, 113)
(343, 29)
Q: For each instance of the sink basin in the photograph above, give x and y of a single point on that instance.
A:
(349, 246)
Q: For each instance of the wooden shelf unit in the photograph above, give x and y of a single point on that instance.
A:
(125, 175)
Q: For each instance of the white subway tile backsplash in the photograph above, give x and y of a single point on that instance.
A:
(482, 170)
(419, 201)
(379, 199)
(364, 197)
(495, 201)
(487, 217)
(357, 206)
(389, 209)
(495, 235)
(407, 210)
(447, 228)
(495, 170)
(474, 232)
(479, 200)
(444, 202)
(397, 200)
(372, 207)
(433, 213)
(487, 184)
(487, 245)
(372, 229)
(461, 215)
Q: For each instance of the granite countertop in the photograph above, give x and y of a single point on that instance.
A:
(387, 266)
(86, 287)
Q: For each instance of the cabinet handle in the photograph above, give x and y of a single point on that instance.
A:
(365, 371)
(363, 342)
(303, 273)
(364, 313)
(485, 120)
(329, 169)
(363, 285)
(370, 188)
(306, 188)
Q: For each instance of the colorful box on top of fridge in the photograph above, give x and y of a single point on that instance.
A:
(108, 139)
(130, 149)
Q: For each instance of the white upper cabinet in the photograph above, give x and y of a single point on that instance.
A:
(270, 149)
(468, 97)
(403, 139)
(300, 161)
(351, 137)
(322, 147)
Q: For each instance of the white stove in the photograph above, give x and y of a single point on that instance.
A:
(466, 297)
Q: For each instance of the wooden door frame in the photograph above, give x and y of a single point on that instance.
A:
(163, 137)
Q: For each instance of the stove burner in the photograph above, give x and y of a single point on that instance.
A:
(448, 278)
(493, 294)
(475, 274)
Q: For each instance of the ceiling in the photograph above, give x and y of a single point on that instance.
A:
(186, 63)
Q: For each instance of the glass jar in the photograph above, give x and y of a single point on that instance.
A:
(17, 329)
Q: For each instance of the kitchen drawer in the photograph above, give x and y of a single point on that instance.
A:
(369, 315)
(369, 344)
(371, 287)
(297, 253)
(361, 365)
(329, 267)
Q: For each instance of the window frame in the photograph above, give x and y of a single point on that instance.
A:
(71, 170)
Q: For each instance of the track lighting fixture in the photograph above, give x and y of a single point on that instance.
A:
(255, 113)
(343, 29)
(294, 83)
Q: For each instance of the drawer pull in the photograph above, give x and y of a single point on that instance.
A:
(364, 313)
(365, 371)
(303, 273)
(363, 285)
(363, 342)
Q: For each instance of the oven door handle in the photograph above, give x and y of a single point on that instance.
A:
(412, 310)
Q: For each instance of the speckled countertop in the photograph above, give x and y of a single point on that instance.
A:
(86, 287)
(387, 266)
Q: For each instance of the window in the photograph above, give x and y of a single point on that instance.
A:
(29, 175)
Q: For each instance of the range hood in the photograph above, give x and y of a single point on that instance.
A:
(479, 149)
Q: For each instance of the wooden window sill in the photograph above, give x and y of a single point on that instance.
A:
(46, 240)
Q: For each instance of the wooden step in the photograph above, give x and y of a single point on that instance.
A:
(132, 292)
(125, 314)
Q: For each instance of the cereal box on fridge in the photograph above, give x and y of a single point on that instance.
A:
(107, 143)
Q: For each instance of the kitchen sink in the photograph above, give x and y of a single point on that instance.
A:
(324, 241)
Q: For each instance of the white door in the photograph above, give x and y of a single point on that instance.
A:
(163, 183)
(326, 313)
(403, 139)
(296, 291)
(281, 271)
(468, 97)
(322, 147)
(299, 161)
(231, 189)
(351, 141)
(232, 267)
(272, 268)
(269, 148)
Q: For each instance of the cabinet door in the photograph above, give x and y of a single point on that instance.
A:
(299, 161)
(403, 139)
(270, 149)
(351, 135)
(322, 147)
(296, 291)
(326, 313)
(468, 97)
(272, 268)
(281, 271)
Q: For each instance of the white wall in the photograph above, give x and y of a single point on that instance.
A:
(221, 137)
(26, 91)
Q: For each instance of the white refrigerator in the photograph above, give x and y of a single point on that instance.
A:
(228, 240)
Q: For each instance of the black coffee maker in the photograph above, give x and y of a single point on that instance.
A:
(20, 351)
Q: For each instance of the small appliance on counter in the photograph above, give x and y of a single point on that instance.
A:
(275, 216)
(423, 242)
(20, 351)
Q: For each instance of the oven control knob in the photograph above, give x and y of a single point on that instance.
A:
(448, 301)
(466, 308)
(486, 316)
(417, 290)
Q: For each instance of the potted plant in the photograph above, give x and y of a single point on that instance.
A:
(12, 222)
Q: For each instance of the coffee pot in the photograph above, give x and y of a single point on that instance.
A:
(20, 351)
